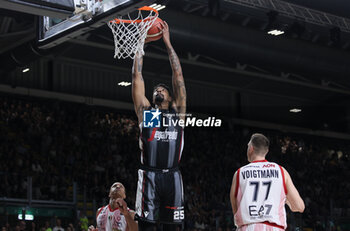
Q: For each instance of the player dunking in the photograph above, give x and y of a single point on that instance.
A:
(260, 191)
(159, 196)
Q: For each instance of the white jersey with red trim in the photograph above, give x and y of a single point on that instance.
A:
(259, 227)
(261, 195)
(110, 220)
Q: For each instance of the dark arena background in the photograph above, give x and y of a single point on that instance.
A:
(68, 129)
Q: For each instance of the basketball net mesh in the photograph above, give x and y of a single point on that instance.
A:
(129, 35)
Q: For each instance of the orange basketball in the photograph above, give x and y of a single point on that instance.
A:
(155, 32)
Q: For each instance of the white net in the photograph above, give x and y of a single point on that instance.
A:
(129, 35)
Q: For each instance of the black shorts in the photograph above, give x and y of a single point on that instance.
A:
(160, 197)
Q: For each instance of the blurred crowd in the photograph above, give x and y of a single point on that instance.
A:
(45, 226)
(58, 143)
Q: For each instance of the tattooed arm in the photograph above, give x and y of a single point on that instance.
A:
(138, 88)
(177, 79)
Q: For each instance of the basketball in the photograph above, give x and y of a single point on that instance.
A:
(155, 32)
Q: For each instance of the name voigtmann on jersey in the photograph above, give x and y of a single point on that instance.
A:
(257, 173)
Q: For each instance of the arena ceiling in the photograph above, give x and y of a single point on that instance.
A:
(225, 44)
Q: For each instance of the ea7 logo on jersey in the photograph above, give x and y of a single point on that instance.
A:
(151, 118)
(260, 211)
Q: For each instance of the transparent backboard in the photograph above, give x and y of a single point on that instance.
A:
(88, 15)
(53, 8)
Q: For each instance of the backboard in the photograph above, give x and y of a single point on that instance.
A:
(88, 15)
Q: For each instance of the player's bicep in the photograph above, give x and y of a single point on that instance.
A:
(138, 89)
(131, 223)
(296, 203)
(139, 98)
(180, 94)
(233, 198)
(138, 84)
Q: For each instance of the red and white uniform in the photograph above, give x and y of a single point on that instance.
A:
(261, 196)
(110, 220)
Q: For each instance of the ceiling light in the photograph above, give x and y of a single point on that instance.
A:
(124, 84)
(25, 70)
(158, 6)
(276, 32)
(295, 110)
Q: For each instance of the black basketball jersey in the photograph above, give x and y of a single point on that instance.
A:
(162, 147)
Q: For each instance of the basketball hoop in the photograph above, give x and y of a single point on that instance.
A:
(129, 34)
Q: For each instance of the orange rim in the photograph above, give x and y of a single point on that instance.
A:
(145, 8)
